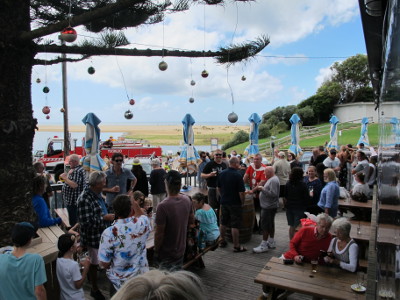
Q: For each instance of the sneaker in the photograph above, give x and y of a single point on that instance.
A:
(97, 295)
(262, 248)
(271, 245)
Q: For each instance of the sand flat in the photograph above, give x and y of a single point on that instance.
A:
(149, 129)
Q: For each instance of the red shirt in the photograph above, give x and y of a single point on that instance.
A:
(255, 175)
(305, 243)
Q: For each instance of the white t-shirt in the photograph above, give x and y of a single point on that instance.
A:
(362, 189)
(331, 163)
(67, 273)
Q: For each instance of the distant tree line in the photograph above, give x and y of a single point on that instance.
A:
(350, 82)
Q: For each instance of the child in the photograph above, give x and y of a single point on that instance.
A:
(148, 203)
(68, 273)
(208, 220)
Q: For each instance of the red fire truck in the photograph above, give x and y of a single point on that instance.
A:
(53, 157)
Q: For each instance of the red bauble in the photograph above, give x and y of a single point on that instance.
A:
(46, 110)
(132, 102)
(47, 117)
(68, 34)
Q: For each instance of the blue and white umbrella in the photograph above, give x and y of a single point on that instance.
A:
(295, 135)
(253, 149)
(395, 130)
(333, 143)
(364, 132)
(189, 155)
(92, 161)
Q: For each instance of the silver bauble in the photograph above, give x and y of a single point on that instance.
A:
(193, 82)
(191, 99)
(128, 115)
(163, 66)
(232, 117)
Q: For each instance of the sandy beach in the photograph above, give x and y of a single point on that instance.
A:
(148, 129)
(160, 134)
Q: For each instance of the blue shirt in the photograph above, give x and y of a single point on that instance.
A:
(43, 213)
(20, 275)
(120, 180)
(330, 198)
(208, 224)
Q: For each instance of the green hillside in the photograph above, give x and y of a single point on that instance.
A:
(350, 136)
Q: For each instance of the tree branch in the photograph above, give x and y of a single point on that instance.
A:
(58, 60)
(125, 52)
(228, 55)
(79, 20)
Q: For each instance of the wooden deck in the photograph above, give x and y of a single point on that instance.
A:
(229, 275)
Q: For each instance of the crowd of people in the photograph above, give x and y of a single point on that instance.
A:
(112, 217)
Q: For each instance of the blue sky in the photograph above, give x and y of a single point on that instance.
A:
(297, 28)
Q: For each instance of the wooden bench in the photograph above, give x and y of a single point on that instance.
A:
(326, 283)
(199, 256)
(63, 214)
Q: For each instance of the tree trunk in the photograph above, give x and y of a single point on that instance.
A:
(16, 121)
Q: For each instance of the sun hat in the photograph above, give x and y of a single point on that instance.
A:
(136, 162)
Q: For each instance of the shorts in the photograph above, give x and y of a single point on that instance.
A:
(231, 215)
(282, 189)
(93, 255)
(268, 219)
(293, 216)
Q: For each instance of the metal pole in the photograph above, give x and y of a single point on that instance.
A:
(67, 145)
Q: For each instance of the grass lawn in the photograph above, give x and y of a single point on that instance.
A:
(350, 136)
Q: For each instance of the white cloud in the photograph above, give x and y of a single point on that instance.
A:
(323, 75)
(285, 22)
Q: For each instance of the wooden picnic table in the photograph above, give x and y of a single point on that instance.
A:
(46, 244)
(63, 214)
(327, 283)
(193, 190)
(349, 203)
(386, 232)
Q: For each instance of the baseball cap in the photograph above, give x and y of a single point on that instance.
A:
(22, 233)
(332, 151)
(281, 154)
(136, 162)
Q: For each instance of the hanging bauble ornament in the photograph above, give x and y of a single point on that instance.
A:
(38, 80)
(193, 82)
(128, 114)
(163, 66)
(62, 110)
(191, 99)
(46, 110)
(204, 74)
(244, 78)
(46, 90)
(91, 70)
(68, 34)
(47, 117)
(132, 102)
(232, 117)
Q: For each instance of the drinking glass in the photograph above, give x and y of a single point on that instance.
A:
(360, 279)
(314, 264)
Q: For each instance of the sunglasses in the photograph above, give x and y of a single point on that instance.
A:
(118, 160)
(218, 154)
